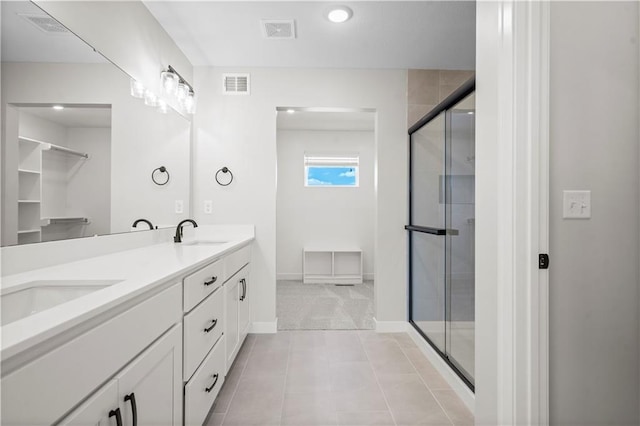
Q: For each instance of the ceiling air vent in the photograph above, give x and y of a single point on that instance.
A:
(45, 23)
(278, 28)
(235, 84)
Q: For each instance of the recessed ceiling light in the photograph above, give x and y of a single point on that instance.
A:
(290, 111)
(339, 14)
(58, 107)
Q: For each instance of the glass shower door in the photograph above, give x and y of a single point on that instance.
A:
(427, 231)
(442, 230)
(460, 240)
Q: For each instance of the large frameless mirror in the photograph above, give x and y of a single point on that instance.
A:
(78, 151)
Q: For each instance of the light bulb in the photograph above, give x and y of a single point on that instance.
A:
(169, 82)
(137, 89)
(182, 91)
(190, 103)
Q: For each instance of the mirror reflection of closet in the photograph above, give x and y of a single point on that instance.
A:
(52, 194)
(63, 173)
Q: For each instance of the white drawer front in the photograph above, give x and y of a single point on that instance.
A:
(209, 315)
(201, 283)
(235, 261)
(200, 392)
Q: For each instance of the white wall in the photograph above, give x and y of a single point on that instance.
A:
(89, 188)
(240, 132)
(594, 344)
(323, 217)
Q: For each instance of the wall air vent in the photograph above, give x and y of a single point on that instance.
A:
(235, 84)
(282, 29)
(45, 23)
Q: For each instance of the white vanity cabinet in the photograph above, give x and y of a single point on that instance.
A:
(237, 306)
(143, 394)
(237, 314)
(216, 321)
(137, 349)
(211, 331)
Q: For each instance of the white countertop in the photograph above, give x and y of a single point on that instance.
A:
(139, 270)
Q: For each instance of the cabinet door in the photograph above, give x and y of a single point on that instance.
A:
(231, 296)
(150, 387)
(95, 411)
(243, 307)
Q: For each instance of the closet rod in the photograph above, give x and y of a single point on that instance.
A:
(67, 150)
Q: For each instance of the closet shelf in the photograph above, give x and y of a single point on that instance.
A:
(28, 231)
(63, 220)
(29, 201)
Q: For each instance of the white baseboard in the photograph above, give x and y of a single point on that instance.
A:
(297, 276)
(269, 327)
(458, 386)
(289, 276)
(390, 326)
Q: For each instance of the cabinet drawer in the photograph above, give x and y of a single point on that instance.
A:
(197, 340)
(201, 283)
(235, 261)
(200, 392)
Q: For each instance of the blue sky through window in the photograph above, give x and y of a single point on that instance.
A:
(331, 176)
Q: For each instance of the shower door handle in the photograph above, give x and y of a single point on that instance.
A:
(426, 229)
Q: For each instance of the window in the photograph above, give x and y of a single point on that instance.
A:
(331, 170)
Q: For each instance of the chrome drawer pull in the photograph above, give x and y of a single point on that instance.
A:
(208, 329)
(209, 389)
(213, 280)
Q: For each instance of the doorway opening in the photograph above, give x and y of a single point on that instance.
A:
(325, 218)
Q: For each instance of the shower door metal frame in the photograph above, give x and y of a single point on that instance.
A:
(458, 95)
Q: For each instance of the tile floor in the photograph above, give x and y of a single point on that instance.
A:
(331, 378)
(324, 306)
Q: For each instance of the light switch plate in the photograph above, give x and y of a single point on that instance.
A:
(179, 206)
(208, 206)
(576, 204)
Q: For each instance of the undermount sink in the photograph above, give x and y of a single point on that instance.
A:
(204, 243)
(38, 296)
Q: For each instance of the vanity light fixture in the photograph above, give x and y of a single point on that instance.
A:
(177, 87)
(58, 107)
(169, 81)
(339, 14)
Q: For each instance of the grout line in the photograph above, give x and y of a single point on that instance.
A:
(425, 383)
(286, 374)
(233, 395)
(377, 380)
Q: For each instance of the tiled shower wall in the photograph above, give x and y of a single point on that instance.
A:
(427, 88)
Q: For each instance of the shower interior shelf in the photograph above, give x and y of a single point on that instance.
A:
(332, 266)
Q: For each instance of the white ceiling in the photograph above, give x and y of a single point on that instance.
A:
(22, 41)
(326, 120)
(381, 34)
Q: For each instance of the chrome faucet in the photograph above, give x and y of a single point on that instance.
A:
(178, 236)
(135, 224)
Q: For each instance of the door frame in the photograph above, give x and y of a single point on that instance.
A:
(512, 174)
